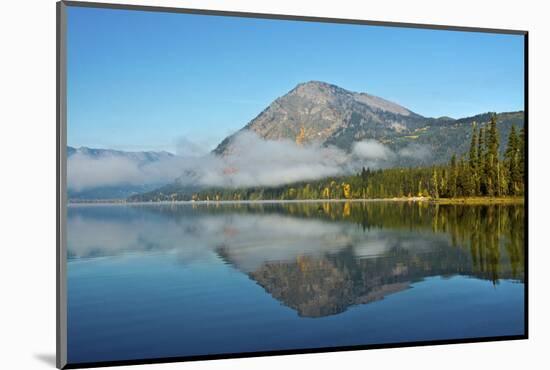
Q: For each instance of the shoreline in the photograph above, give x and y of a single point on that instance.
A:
(443, 201)
(480, 200)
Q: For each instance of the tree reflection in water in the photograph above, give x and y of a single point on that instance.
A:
(485, 242)
(317, 258)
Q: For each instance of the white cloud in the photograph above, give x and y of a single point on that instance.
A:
(373, 150)
(415, 151)
(255, 161)
(84, 171)
(252, 161)
(187, 148)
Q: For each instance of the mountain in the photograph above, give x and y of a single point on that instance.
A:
(139, 157)
(320, 112)
(113, 192)
(312, 112)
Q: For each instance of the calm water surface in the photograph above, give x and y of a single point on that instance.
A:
(178, 280)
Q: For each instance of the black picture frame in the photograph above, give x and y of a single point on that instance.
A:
(61, 186)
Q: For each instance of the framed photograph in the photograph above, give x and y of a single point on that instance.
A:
(235, 184)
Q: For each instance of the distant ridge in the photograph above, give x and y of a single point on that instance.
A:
(118, 191)
(140, 156)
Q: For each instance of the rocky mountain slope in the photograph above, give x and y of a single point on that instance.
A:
(320, 112)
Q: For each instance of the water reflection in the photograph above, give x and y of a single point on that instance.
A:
(316, 258)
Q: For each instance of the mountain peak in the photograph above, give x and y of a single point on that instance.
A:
(326, 114)
(378, 103)
(312, 88)
(313, 84)
(318, 111)
(320, 89)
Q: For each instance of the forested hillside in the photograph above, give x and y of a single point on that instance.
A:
(489, 169)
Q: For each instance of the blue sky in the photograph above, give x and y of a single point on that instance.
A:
(143, 81)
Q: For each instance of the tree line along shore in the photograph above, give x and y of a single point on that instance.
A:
(480, 175)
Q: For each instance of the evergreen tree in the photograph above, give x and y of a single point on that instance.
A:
(504, 181)
(467, 179)
(434, 185)
(481, 162)
(512, 163)
(491, 158)
(522, 155)
(472, 156)
(453, 175)
(473, 161)
(443, 186)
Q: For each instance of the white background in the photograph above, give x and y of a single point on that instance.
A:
(27, 185)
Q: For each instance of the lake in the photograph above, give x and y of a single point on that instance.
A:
(165, 280)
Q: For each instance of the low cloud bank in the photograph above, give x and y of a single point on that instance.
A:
(252, 161)
(373, 150)
(86, 172)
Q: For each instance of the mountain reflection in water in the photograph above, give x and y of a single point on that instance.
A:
(316, 258)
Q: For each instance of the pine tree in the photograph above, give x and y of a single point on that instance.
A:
(443, 186)
(473, 161)
(481, 162)
(472, 157)
(453, 175)
(435, 184)
(504, 180)
(512, 163)
(468, 180)
(492, 161)
(522, 155)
